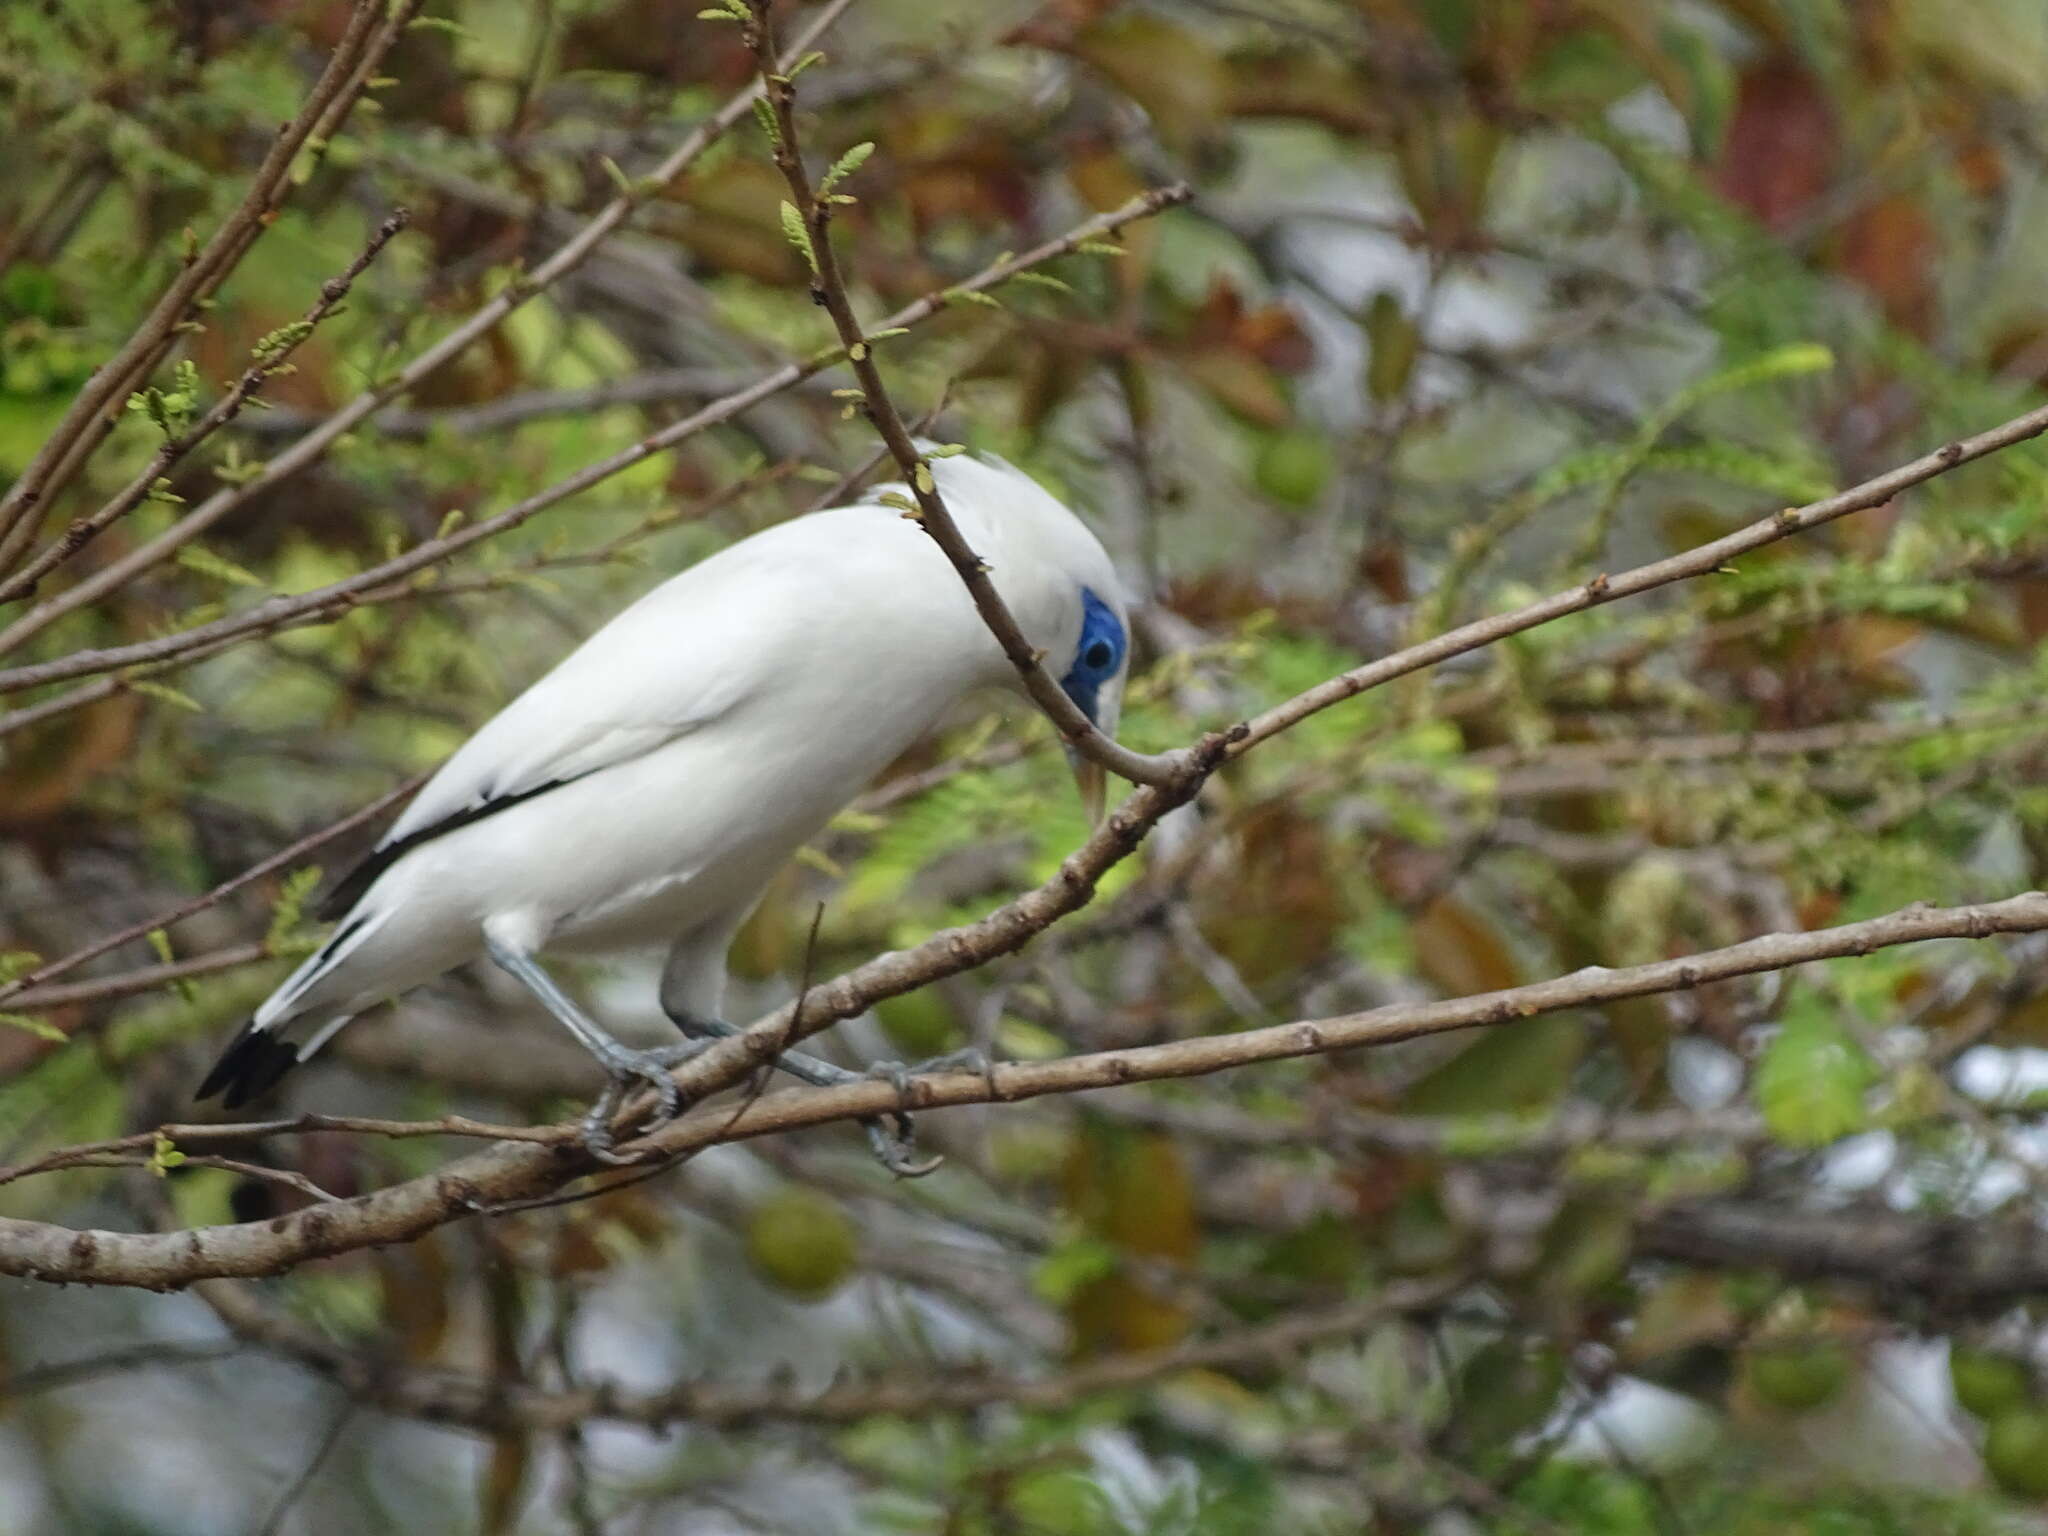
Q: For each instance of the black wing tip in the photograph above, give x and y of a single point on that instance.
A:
(252, 1064)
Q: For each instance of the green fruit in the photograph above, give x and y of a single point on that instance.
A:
(1986, 1384)
(2016, 1452)
(1293, 467)
(1796, 1377)
(802, 1242)
(918, 1023)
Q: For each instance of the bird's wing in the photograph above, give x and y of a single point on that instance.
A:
(670, 664)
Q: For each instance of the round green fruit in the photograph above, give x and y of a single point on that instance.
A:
(1987, 1384)
(802, 1243)
(1294, 467)
(2016, 1452)
(918, 1023)
(1797, 1377)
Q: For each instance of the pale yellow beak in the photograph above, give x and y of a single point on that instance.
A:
(1093, 781)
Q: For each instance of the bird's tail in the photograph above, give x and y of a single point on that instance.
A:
(264, 1049)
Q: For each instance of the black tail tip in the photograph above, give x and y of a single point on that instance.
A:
(252, 1064)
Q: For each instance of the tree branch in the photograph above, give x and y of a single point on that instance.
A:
(372, 28)
(493, 1404)
(224, 410)
(314, 445)
(828, 288)
(337, 598)
(284, 858)
(1960, 1261)
(509, 1173)
(1701, 560)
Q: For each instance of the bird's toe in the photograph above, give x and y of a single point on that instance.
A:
(897, 1150)
(899, 1073)
(596, 1133)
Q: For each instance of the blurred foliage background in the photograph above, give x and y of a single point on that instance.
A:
(1474, 300)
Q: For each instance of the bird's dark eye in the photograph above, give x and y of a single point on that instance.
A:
(1098, 656)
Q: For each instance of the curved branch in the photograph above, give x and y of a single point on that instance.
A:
(509, 1173)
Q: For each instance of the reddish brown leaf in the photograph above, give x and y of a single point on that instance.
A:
(1782, 142)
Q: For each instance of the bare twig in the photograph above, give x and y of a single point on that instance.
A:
(135, 1357)
(485, 1403)
(654, 386)
(145, 978)
(1698, 561)
(281, 1510)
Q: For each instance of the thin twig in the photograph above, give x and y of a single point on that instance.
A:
(324, 604)
(829, 290)
(230, 405)
(373, 27)
(282, 1509)
(282, 859)
(315, 444)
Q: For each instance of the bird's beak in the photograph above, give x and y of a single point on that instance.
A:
(1093, 781)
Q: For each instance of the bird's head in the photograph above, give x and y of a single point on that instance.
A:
(1058, 581)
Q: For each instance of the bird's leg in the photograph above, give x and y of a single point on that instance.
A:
(623, 1065)
(897, 1152)
(819, 1074)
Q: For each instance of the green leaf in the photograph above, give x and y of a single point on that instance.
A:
(164, 1156)
(1044, 280)
(793, 230)
(846, 165)
(290, 911)
(197, 557)
(1779, 363)
(167, 694)
(1520, 1067)
(42, 1029)
(18, 962)
(1812, 1079)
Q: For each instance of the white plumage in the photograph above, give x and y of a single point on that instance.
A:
(648, 787)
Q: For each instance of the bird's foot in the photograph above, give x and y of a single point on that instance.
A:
(628, 1069)
(897, 1150)
(898, 1074)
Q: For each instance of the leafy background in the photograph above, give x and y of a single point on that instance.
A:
(1474, 300)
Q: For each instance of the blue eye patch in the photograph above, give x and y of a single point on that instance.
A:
(1099, 656)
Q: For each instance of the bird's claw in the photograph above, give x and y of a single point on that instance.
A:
(628, 1069)
(897, 1151)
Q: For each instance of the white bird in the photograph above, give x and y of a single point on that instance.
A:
(648, 788)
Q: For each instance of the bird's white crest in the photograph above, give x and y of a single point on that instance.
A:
(648, 787)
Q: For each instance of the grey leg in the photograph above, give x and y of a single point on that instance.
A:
(622, 1064)
(819, 1074)
(897, 1153)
